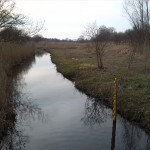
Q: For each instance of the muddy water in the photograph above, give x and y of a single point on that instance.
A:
(53, 115)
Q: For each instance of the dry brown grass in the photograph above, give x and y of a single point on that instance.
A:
(10, 55)
(61, 45)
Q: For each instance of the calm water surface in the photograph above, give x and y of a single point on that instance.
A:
(54, 115)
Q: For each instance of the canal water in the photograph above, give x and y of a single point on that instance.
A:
(53, 115)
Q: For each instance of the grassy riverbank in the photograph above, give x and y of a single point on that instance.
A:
(11, 56)
(77, 62)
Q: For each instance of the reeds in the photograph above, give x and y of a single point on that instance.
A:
(11, 55)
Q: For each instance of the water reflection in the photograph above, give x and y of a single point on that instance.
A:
(113, 138)
(133, 137)
(24, 108)
(39, 53)
(22, 69)
(26, 112)
(148, 144)
(130, 135)
(16, 140)
(95, 113)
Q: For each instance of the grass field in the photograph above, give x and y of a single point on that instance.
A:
(77, 62)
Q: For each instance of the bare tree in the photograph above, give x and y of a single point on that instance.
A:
(100, 38)
(12, 23)
(33, 28)
(7, 16)
(139, 16)
(81, 39)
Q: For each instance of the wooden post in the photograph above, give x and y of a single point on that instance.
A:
(115, 100)
(114, 113)
(113, 139)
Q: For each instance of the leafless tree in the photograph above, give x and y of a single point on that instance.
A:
(100, 38)
(7, 16)
(10, 20)
(139, 16)
(33, 28)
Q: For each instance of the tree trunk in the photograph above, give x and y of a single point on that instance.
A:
(97, 56)
(100, 62)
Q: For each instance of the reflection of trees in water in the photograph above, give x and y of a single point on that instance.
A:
(148, 144)
(24, 106)
(40, 53)
(25, 110)
(95, 112)
(22, 68)
(15, 140)
(133, 136)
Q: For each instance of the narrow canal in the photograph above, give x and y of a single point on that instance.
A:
(53, 115)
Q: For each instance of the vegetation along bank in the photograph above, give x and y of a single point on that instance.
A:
(12, 55)
(77, 62)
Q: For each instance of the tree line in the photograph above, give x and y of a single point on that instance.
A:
(114, 36)
(138, 13)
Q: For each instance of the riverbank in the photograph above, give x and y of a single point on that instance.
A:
(12, 57)
(77, 62)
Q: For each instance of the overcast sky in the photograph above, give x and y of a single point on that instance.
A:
(68, 18)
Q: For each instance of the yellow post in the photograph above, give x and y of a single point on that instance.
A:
(114, 116)
(115, 100)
